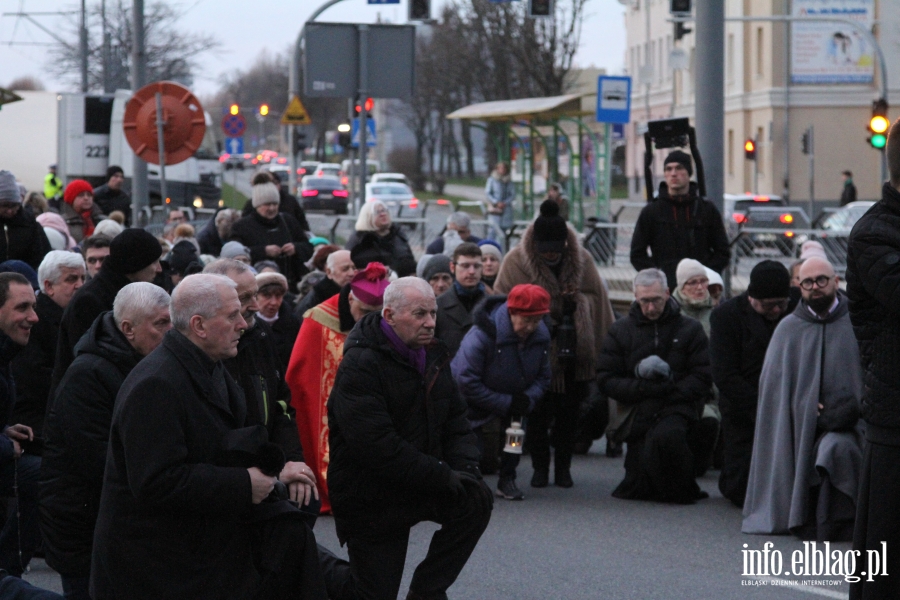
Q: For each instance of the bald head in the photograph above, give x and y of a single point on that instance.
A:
(814, 267)
(339, 267)
(819, 285)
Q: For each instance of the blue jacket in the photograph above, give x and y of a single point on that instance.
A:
(501, 189)
(492, 364)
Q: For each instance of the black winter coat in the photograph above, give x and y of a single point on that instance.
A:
(256, 232)
(208, 238)
(260, 374)
(873, 287)
(109, 200)
(676, 230)
(394, 434)
(454, 320)
(33, 366)
(95, 297)
(75, 440)
(23, 239)
(392, 250)
(8, 351)
(285, 331)
(319, 293)
(675, 338)
(171, 521)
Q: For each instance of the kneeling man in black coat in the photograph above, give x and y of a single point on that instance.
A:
(655, 360)
(402, 450)
(176, 519)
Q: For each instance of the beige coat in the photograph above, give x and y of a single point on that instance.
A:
(579, 277)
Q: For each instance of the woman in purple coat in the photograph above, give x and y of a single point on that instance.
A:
(503, 370)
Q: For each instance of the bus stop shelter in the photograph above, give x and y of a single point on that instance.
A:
(523, 126)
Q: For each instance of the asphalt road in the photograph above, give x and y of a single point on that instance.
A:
(582, 543)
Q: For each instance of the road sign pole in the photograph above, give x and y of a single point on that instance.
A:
(160, 125)
(363, 113)
(139, 185)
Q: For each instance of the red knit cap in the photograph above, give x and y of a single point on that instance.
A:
(76, 187)
(528, 300)
(369, 284)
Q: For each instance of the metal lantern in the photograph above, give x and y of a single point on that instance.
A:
(515, 436)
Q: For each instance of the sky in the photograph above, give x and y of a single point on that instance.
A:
(246, 29)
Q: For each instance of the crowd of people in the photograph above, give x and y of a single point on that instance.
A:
(180, 410)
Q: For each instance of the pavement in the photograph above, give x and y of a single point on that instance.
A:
(583, 544)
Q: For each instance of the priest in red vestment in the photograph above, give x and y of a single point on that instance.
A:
(316, 357)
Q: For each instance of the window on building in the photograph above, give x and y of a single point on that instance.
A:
(759, 161)
(759, 51)
(729, 58)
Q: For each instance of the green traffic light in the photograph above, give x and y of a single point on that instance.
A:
(878, 141)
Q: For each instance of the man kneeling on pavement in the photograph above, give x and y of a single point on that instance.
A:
(655, 361)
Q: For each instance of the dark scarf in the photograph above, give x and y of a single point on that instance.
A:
(469, 297)
(416, 358)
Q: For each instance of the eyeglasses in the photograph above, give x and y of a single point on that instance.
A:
(652, 301)
(820, 281)
(697, 282)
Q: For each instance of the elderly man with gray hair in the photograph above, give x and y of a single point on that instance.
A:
(393, 464)
(60, 275)
(458, 222)
(655, 364)
(180, 514)
(78, 421)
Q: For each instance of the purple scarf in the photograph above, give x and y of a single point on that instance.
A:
(414, 357)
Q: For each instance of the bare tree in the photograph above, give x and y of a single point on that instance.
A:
(26, 84)
(172, 54)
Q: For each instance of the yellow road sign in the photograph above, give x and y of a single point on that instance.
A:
(295, 113)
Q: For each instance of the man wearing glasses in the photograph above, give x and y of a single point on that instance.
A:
(455, 306)
(807, 451)
(655, 361)
(740, 331)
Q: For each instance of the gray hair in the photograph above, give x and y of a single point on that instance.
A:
(460, 219)
(226, 267)
(366, 219)
(650, 277)
(331, 259)
(137, 301)
(197, 295)
(396, 297)
(54, 262)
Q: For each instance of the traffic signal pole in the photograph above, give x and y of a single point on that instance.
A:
(363, 112)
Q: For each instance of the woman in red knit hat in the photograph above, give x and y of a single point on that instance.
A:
(79, 211)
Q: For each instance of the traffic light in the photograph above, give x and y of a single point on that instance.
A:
(879, 124)
(299, 142)
(681, 30)
(540, 9)
(679, 6)
(357, 106)
(750, 149)
(234, 109)
(419, 10)
(264, 109)
(806, 142)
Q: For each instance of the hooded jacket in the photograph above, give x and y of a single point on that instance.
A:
(23, 239)
(395, 435)
(75, 440)
(577, 276)
(675, 338)
(493, 364)
(677, 228)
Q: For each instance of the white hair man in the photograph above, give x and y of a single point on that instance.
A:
(458, 222)
(60, 275)
(389, 458)
(339, 270)
(185, 475)
(76, 434)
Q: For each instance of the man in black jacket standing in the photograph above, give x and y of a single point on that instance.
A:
(679, 224)
(259, 372)
(111, 197)
(456, 305)
(656, 361)
(740, 331)
(61, 274)
(77, 428)
(395, 464)
(133, 256)
(873, 286)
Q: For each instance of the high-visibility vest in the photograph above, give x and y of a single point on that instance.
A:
(53, 187)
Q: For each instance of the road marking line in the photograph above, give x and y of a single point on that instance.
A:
(809, 589)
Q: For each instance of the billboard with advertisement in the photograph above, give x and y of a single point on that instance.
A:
(832, 52)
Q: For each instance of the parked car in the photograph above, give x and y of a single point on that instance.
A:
(398, 197)
(306, 167)
(323, 193)
(390, 178)
(834, 231)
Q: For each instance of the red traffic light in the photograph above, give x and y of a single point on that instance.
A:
(370, 104)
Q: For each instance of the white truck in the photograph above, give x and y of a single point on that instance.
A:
(82, 134)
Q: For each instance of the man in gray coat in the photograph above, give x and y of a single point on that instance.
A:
(455, 306)
(807, 451)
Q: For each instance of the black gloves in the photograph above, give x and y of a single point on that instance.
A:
(520, 405)
(476, 490)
